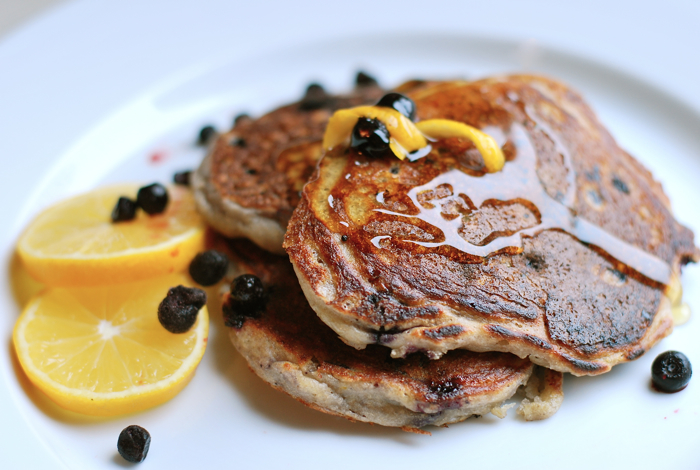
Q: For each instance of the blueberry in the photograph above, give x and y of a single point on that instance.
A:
(182, 177)
(246, 300)
(237, 142)
(671, 371)
(133, 443)
(152, 198)
(314, 98)
(124, 210)
(178, 310)
(209, 267)
(240, 118)
(247, 289)
(206, 133)
(400, 103)
(364, 79)
(370, 136)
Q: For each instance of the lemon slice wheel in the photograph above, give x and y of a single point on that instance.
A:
(75, 243)
(101, 351)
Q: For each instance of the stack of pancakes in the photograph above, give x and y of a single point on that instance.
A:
(424, 292)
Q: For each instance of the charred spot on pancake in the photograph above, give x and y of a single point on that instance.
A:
(634, 354)
(584, 366)
(501, 331)
(620, 185)
(443, 331)
(540, 343)
(535, 261)
(512, 335)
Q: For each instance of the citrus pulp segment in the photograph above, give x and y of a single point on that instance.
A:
(75, 243)
(101, 350)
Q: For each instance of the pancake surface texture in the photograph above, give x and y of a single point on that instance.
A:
(287, 345)
(249, 183)
(564, 256)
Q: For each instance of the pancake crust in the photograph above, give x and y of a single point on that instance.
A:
(249, 183)
(563, 256)
(289, 347)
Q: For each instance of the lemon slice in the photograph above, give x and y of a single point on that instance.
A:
(75, 243)
(101, 351)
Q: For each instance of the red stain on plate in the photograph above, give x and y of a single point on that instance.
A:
(157, 157)
(676, 411)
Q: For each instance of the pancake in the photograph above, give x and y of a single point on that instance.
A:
(288, 346)
(249, 183)
(566, 256)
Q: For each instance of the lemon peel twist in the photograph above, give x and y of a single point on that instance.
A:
(408, 137)
(491, 152)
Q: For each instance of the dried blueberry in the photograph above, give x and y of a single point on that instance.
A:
(247, 289)
(178, 310)
(241, 118)
(247, 299)
(400, 103)
(314, 98)
(133, 443)
(206, 134)
(209, 267)
(124, 210)
(370, 136)
(671, 371)
(182, 177)
(620, 185)
(152, 198)
(364, 79)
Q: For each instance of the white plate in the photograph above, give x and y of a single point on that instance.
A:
(227, 415)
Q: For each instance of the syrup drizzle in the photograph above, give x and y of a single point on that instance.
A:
(518, 181)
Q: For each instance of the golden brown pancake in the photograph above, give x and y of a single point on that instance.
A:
(288, 346)
(249, 183)
(564, 256)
